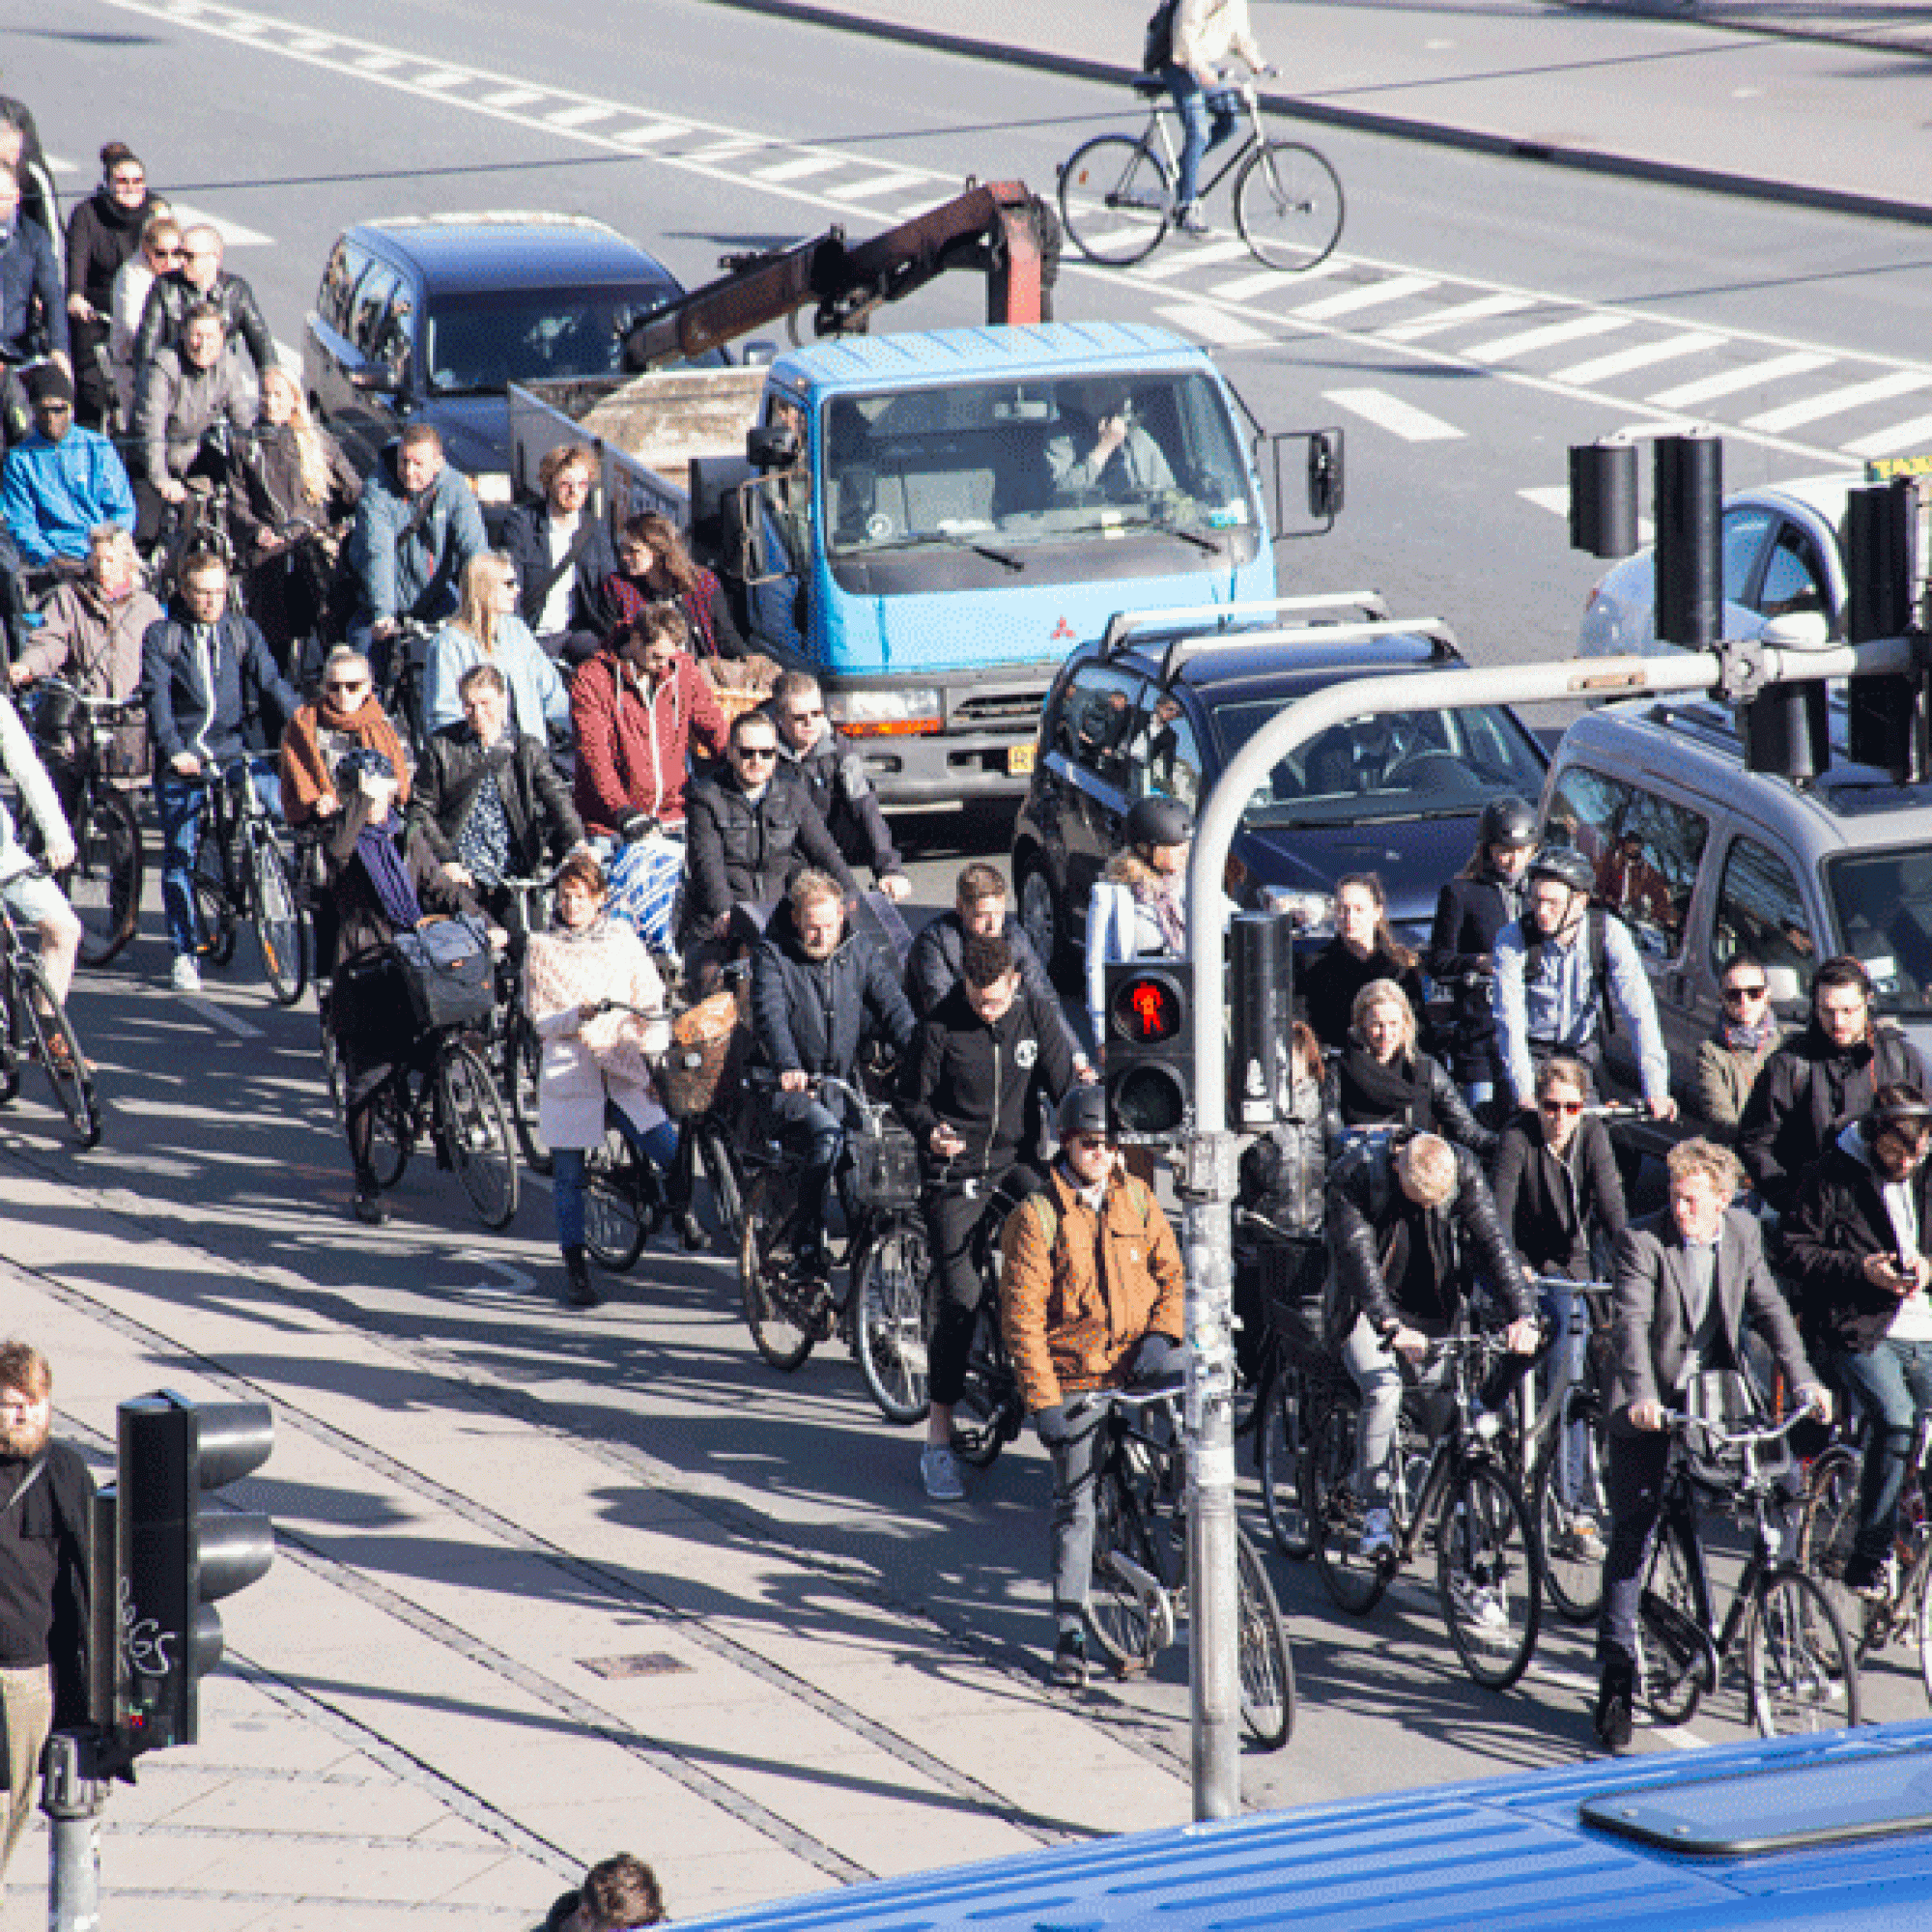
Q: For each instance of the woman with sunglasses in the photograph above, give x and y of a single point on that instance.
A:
(1557, 1177)
(103, 232)
(158, 253)
(1380, 1079)
(1746, 1033)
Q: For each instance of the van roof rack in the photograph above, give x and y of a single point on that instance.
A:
(1184, 651)
(1124, 624)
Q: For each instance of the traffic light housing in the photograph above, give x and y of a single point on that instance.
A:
(1690, 506)
(1148, 1028)
(1261, 1008)
(1886, 715)
(1603, 498)
(175, 1559)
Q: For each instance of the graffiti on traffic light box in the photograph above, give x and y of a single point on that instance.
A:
(146, 1647)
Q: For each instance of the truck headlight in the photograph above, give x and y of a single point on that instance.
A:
(906, 712)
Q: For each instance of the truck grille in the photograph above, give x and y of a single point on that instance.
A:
(1001, 710)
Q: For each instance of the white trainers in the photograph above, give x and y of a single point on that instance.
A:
(1479, 1603)
(1377, 1536)
(939, 1471)
(186, 975)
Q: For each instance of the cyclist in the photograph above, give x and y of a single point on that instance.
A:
(1472, 908)
(193, 407)
(1284, 1173)
(487, 630)
(817, 997)
(1687, 1281)
(1746, 1034)
(835, 773)
(1408, 1231)
(1851, 1243)
(1204, 33)
(1138, 907)
(654, 567)
(1091, 1299)
(968, 1093)
(1379, 1078)
(32, 896)
(210, 681)
(561, 549)
(1362, 952)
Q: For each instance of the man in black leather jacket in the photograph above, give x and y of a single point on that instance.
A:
(835, 773)
(201, 278)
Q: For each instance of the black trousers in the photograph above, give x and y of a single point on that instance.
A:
(1638, 1461)
(952, 1218)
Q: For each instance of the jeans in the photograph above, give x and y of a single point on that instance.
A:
(1895, 1385)
(1376, 1373)
(1199, 105)
(1073, 1509)
(815, 1136)
(659, 1146)
(179, 802)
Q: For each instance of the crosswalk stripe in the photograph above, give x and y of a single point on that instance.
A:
(801, 167)
(1481, 309)
(1349, 301)
(865, 190)
(1392, 413)
(1272, 281)
(307, 43)
(583, 117)
(1184, 260)
(1889, 442)
(1604, 368)
(1708, 388)
(653, 131)
(441, 79)
(1834, 402)
(1525, 342)
(510, 97)
(377, 63)
(722, 151)
(233, 234)
(1214, 325)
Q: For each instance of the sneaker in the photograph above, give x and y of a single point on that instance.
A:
(1586, 1541)
(1069, 1658)
(1190, 220)
(369, 1208)
(186, 975)
(690, 1235)
(939, 1471)
(1479, 1603)
(1377, 1538)
(1869, 1583)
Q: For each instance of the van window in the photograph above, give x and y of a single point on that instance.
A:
(1883, 903)
(1793, 580)
(1746, 529)
(1760, 911)
(346, 262)
(1645, 849)
(374, 295)
(1096, 721)
(1166, 761)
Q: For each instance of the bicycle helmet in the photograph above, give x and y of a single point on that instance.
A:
(1507, 822)
(364, 758)
(1084, 1111)
(1566, 866)
(1160, 821)
(1900, 1107)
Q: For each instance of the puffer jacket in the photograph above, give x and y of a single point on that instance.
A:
(1080, 1291)
(409, 555)
(1284, 1172)
(171, 298)
(178, 404)
(738, 851)
(813, 1015)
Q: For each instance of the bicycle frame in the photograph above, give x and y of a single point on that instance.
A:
(1162, 110)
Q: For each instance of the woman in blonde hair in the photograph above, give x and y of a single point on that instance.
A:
(489, 628)
(295, 482)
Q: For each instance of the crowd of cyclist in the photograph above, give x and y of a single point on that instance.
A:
(444, 720)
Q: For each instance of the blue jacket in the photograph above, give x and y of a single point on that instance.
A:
(814, 1014)
(28, 268)
(55, 493)
(536, 691)
(408, 553)
(183, 715)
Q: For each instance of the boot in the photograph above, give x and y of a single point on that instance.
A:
(690, 1232)
(578, 1291)
(1615, 1689)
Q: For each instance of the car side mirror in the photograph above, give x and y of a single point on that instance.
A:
(374, 379)
(772, 446)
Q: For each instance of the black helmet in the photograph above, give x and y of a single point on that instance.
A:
(1566, 866)
(1160, 821)
(1900, 1107)
(1507, 822)
(1084, 1111)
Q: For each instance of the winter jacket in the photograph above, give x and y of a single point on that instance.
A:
(742, 852)
(835, 773)
(272, 493)
(178, 404)
(704, 607)
(1437, 1108)
(527, 539)
(980, 1079)
(539, 702)
(813, 1015)
(59, 1509)
(55, 494)
(102, 235)
(1284, 1171)
(1547, 1202)
(97, 647)
(1726, 1078)
(587, 1063)
(171, 298)
(183, 715)
(1837, 1221)
(634, 744)
(1808, 1090)
(408, 553)
(934, 967)
(1081, 1291)
(542, 821)
(1335, 975)
(30, 278)
(1469, 913)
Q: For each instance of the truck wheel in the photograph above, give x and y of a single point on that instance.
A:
(1043, 919)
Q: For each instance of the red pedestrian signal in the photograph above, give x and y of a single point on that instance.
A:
(1148, 1055)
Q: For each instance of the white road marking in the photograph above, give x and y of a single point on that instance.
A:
(309, 43)
(1273, 281)
(1480, 309)
(1351, 301)
(377, 63)
(1214, 325)
(234, 233)
(722, 151)
(1556, 498)
(583, 117)
(512, 97)
(1392, 413)
(655, 130)
(1834, 402)
(864, 191)
(1183, 257)
(800, 166)
(1525, 342)
(1912, 435)
(221, 1017)
(440, 80)
(1601, 368)
(1708, 388)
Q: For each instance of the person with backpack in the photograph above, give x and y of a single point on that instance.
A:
(1187, 40)
(1567, 973)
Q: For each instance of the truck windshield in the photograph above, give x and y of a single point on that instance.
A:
(483, 340)
(1030, 463)
(1882, 903)
(1408, 764)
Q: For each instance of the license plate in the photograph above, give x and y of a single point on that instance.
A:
(1019, 759)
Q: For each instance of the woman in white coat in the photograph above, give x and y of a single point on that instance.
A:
(594, 1068)
(1138, 907)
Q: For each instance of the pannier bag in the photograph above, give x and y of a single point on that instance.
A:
(446, 967)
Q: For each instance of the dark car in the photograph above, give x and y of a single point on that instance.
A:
(431, 318)
(1400, 798)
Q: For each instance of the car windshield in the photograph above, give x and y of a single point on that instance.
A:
(483, 341)
(1882, 903)
(1044, 462)
(1408, 764)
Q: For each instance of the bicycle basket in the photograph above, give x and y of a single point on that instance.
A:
(885, 1168)
(445, 966)
(708, 1047)
(1293, 1278)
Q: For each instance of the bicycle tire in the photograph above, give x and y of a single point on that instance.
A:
(987, 1417)
(392, 1134)
(1488, 1577)
(331, 1072)
(1116, 1615)
(1922, 1625)
(523, 1062)
(1116, 200)
(891, 1322)
(615, 1224)
(782, 1340)
(1334, 1514)
(58, 1052)
(727, 1183)
(104, 883)
(1280, 1452)
(476, 1133)
(1572, 1573)
(1267, 1667)
(1827, 1518)
(215, 918)
(281, 933)
(1289, 207)
(10, 1045)
(1799, 1662)
(1675, 1659)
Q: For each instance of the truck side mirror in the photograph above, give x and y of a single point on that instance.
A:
(750, 565)
(772, 446)
(1324, 475)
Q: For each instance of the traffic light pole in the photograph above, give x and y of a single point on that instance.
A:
(1736, 671)
(73, 1794)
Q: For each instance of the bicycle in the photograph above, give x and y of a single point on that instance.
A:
(1565, 1446)
(1293, 1382)
(1139, 1592)
(515, 1048)
(1801, 1672)
(34, 1026)
(104, 883)
(1116, 191)
(1455, 1489)
(242, 871)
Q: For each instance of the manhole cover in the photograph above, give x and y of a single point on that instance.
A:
(648, 1664)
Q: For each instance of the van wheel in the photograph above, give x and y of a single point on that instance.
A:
(1045, 921)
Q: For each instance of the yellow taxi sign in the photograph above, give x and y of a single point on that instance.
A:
(1883, 468)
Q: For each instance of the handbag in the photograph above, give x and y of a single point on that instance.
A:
(446, 967)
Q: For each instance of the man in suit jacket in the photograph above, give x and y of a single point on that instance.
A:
(1687, 1281)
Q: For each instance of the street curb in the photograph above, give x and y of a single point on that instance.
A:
(1587, 160)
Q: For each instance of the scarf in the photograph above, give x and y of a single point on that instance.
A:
(389, 877)
(111, 214)
(307, 777)
(1371, 1092)
(1744, 1036)
(1158, 898)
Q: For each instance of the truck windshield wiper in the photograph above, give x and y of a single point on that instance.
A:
(1002, 556)
(1209, 543)
(933, 539)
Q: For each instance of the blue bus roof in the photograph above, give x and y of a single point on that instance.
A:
(1826, 1834)
(941, 355)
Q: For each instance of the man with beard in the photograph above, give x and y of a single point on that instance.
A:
(45, 1501)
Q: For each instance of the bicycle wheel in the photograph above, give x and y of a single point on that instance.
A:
(1116, 1611)
(1334, 1514)
(889, 1293)
(281, 933)
(1829, 1519)
(523, 1059)
(476, 1133)
(1676, 1663)
(1573, 1508)
(1267, 1671)
(1281, 1448)
(1922, 1624)
(391, 1133)
(722, 1171)
(215, 920)
(58, 1051)
(104, 883)
(331, 1070)
(615, 1223)
(1798, 1659)
(1287, 204)
(1116, 200)
(777, 1332)
(1488, 1577)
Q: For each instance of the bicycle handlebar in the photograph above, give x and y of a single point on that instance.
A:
(1680, 1421)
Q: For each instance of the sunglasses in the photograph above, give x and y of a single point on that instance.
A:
(803, 717)
(1735, 993)
(1561, 1106)
(1086, 1140)
(749, 751)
